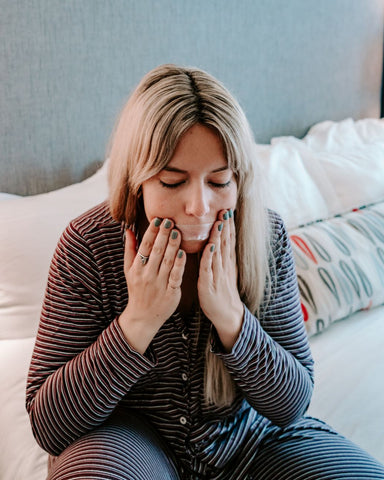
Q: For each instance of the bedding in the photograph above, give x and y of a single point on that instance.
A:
(349, 365)
(317, 177)
(30, 230)
(340, 265)
(304, 190)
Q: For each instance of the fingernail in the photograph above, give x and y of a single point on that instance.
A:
(220, 227)
(230, 213)
(167, 224)
(180, 253)
(157, 222)
(174, 234)
(225, 216)
(212, 248)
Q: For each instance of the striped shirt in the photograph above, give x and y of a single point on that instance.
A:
(83, 368)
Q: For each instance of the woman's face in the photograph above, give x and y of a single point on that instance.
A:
(194, 186)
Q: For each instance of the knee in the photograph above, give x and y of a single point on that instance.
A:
(114, 452)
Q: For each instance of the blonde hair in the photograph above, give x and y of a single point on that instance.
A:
(167, 102)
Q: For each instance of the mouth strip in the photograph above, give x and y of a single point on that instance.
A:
(195, 232)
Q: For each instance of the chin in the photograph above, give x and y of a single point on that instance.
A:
(193, 246)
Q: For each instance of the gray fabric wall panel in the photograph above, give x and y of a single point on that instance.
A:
(66, 67)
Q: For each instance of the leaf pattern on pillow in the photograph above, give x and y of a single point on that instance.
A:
(340, 265)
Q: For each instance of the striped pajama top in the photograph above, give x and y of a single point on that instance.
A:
(82, 367)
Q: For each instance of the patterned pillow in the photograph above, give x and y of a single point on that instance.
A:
(340, 265)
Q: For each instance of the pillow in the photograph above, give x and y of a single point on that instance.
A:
(331, 136)
(20, 455)
(350, 153)
(30, 229)
(340, 265)
(8, 196)
(289, 185)
(315, 178)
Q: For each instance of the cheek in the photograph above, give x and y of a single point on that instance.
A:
(230, 199)
(157, 203)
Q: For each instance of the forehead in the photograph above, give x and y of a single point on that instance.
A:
(199, 148)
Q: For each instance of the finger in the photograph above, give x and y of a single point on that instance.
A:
(170, 253)
(215, 238)
(176, 274)
(206, 269)
(148, 240)
(160, 244)
(225, 243)
(129, 249)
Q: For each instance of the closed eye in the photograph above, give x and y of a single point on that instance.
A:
(178, 184)
(220, 185)
(171, 185)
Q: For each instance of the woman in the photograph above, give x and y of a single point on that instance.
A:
(171, 342)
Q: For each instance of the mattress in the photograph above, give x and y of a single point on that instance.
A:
(349, 379)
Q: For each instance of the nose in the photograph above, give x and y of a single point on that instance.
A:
(197, 201)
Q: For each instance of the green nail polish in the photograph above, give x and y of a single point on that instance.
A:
(174, 234)
(230, 213)
(167, 224)
(157, 222)
(220, 227)
(180, 253)
(212, 248)
(225, 216)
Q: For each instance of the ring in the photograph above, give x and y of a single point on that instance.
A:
(143, 258)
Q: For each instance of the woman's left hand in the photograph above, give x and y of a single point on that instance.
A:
(217, 284)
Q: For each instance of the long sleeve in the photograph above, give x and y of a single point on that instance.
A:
(81, 366)
(271, 361)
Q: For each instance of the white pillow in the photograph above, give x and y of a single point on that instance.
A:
(336, 167)
(8, 196)
(329, 136)
(290, 187)
(20, 455)
(30, 229)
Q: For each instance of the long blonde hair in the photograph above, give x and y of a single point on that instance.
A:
(167, 102)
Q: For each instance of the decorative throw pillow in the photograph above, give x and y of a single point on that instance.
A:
(340, 265)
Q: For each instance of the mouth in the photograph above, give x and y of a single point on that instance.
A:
(195, 232)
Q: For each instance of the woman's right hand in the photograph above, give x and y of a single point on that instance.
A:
(154, 288)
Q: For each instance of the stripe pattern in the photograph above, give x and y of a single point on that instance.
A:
(83, 369)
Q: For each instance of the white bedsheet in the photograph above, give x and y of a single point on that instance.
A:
(349, 392)
(349, 379)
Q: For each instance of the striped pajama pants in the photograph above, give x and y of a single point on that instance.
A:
(133, 451)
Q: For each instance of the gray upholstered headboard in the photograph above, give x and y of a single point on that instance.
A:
(68, 66)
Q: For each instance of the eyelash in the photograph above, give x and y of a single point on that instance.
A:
(175, 185)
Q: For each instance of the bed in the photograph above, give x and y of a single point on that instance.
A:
(309, 77)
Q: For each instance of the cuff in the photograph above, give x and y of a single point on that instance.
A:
(128, 364)
(245, 344)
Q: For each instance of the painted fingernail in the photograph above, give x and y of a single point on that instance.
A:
(225, 216)
(174, 234)
(230, 213)
(180, 253)
(220, 227)
(157, 222)
(167, 224)
(212, 248)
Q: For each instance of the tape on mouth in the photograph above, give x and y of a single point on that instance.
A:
(195, 232)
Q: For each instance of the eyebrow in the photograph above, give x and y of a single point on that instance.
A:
(178, 170)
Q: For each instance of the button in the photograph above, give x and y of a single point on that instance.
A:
(183, 420)
(184, 336)
(184, 376)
